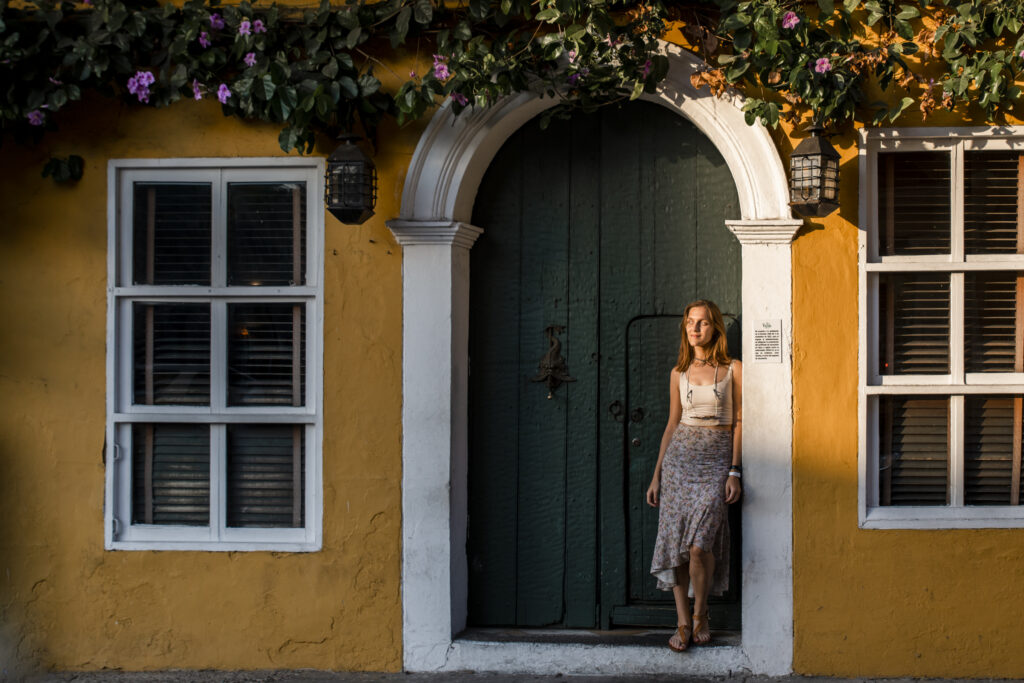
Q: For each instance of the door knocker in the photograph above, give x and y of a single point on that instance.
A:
(553, 370)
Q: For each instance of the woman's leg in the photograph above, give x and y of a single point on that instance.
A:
(702, 570)
(680, 592)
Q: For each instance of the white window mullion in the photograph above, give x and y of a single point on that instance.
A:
(218, 355)
(956, 451)
(219, 236)
(218, 481)
(956, 327)
(956, 202)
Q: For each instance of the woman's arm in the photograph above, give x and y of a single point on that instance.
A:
(732, 484)
(675, 412)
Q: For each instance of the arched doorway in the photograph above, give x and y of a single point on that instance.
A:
(599, 230)
(436, 237)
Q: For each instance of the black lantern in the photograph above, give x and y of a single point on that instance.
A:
(350, 186)
(814, 175)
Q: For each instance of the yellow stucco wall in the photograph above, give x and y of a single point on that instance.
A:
(65, 603)
(877, 602)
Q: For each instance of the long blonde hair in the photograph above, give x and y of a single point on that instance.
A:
(718, 348)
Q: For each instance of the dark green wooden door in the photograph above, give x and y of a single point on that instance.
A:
(598, 231)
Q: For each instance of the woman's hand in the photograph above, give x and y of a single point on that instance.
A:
(653, 491)
(732, 490)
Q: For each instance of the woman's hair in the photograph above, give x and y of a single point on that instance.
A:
(718, 348)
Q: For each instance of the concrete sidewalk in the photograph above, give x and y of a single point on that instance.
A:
(463, 677)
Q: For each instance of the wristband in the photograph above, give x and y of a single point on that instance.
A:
(736, 474)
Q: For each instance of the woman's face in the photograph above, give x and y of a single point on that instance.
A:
(699, 329)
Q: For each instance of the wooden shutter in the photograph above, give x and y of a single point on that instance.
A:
(914, 203)
(988, 450)
(171, 347)
(914, 448)
(990, 202)
(266, 475)
(266, 234)
(171, 233)
(990, 321)
(171, 474)
(266, 354)
(914, 323)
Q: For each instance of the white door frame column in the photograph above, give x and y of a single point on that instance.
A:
(437, 203)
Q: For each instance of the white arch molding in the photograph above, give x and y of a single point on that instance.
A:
(444, 174)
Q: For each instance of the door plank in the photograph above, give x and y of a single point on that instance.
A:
(494, 393)
(582, 354)
(540, 559)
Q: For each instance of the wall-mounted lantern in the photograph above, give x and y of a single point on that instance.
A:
(350, 185)
(814, 175)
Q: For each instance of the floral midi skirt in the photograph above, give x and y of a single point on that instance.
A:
(692, 509)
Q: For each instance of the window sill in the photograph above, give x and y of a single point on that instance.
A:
(944, 517)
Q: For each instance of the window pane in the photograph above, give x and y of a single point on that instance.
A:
(171, 474)
(990, 202)
(989, 449)
(913, 450)
(266, 233)
(171, 233)
(266, 354)
(913, 323)
(266, 475)
(914, 203)
(990, 321)
(171, 353)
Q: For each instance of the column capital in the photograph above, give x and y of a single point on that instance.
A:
(765, 231)
(454, 233)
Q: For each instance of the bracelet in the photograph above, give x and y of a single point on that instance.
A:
(736, 474)
(738, 468)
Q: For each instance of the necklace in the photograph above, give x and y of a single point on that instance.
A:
(702, 361)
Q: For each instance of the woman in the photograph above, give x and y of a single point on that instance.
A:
(698, 472)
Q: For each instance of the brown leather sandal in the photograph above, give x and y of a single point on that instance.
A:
(684, 632)
(700, 626)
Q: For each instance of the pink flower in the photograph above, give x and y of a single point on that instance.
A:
(204, 39)
(790, 20)
(223, 93)
(441, 71)
(1021, 55)
(412, 73)
(250, 59)
(216, 22)
(460, 99)
(36, 117)
(572, 56)
(245, 28)
(823, 65)
(258, 26)
(196, 92)
(54, 80)
(646, 71)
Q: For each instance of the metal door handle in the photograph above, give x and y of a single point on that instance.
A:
(635, 442)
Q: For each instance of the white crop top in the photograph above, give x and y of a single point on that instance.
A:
(707, 406)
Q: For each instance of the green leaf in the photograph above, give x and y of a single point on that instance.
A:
(908, 12)
(349, 87)
(899, 108)
(735, 21)
(402, 23)
(330, 69)
(575, 32)
(549, 15)
(424, 12)
(851, 5)
(462, 31)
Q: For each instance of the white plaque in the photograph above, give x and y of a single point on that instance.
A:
(768, 341)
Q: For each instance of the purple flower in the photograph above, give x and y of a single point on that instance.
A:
(646, 71)
(441, 71)
(258, 26)
(138, 84)
(459, 99)
(790, 20)
(223, 93)
(572, 56)
(250, 59)
(823, 65)
(54, 80)
(196, 92)
(86, 2)
(216, 22)
(36, 117)
(574, 79)
(245, 28)
(412, 73)
(204, 39)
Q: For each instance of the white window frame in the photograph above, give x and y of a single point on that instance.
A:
(957, 383)
(119, 532)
